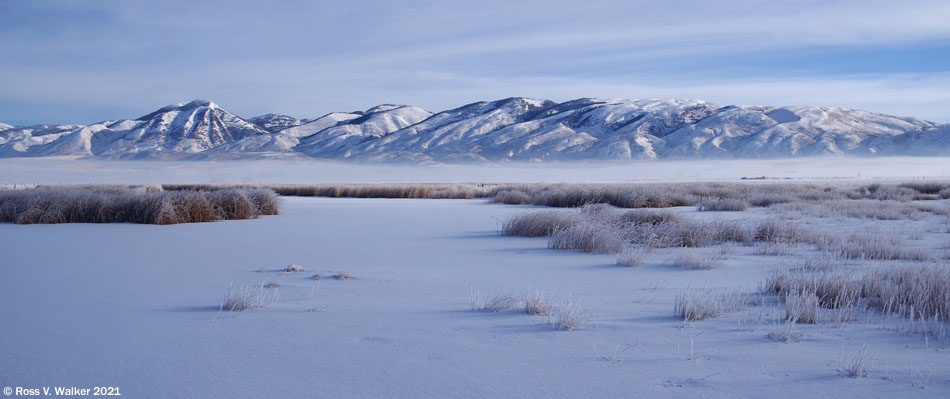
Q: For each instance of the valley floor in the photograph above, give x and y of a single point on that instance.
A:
(138, 307)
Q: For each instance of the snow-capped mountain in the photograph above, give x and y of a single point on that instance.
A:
(33, 140)
(591, 129)
(182, 128)
(275, 122)
(516, 129)
(375, 123)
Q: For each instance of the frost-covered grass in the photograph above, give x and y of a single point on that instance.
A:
(911, 291)
(631, 256)
(723, 205)
(726, 196)
(496, 303)
(862, 209)
(589, 237)
(344, 276)
(537, 302)
(134, 204)
(921, 291)
(801, 308)
(600, 228)
(691, 260)
(858, 364)
(870, 245)
(834, 289)
(692, 305)
(361, 190)
(537, 224)
(244, 297)
(569, 315)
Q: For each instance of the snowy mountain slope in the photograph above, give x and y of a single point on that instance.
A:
(787, 131)
(373, 124)
(275, 122)
(591, 129)
(323, 122)
(33, 140)
(182, 128)
(511, 129)
(4, 126)
(930, 141)
(523, 129)
(331, 133)
(450, 128)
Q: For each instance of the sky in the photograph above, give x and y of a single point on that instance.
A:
(88, 61)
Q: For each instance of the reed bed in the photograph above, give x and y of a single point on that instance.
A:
(733, 196)
(132, 204)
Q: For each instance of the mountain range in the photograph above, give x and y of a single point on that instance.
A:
(511, 129)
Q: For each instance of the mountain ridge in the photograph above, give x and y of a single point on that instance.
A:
(510, 129)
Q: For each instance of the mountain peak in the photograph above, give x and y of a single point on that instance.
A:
(191, 105)
(383, 108)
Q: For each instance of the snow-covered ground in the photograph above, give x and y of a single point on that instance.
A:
(137, 306)
(54, 170)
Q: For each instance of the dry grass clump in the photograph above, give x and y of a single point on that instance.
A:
(624, 195)
(293, 268)
(649, 217)
(631, 256)
(857, 365)
(538, 223)
(105, 188)
(588, 237)
(243, 298)
(802, 308)
(785, 333)
(344, 276)
(360, 190)
(834, 290)
(892, 193)
(537, 302)
(94, 204)
(928, 187)
(919, 292)
(769, 200)
(273, 284)
(569, 316)
(693, 305)
(692, 260)
(513, 197)
(870, 246)
(821, 263)
(910, 291)
(723, 205)
(778, 231)
(496, 303)
(600, 228)
(860, 209)
(773, 249)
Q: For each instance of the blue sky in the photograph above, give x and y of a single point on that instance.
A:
(87, 61)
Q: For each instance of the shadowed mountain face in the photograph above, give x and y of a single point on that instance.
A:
(512, 129)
